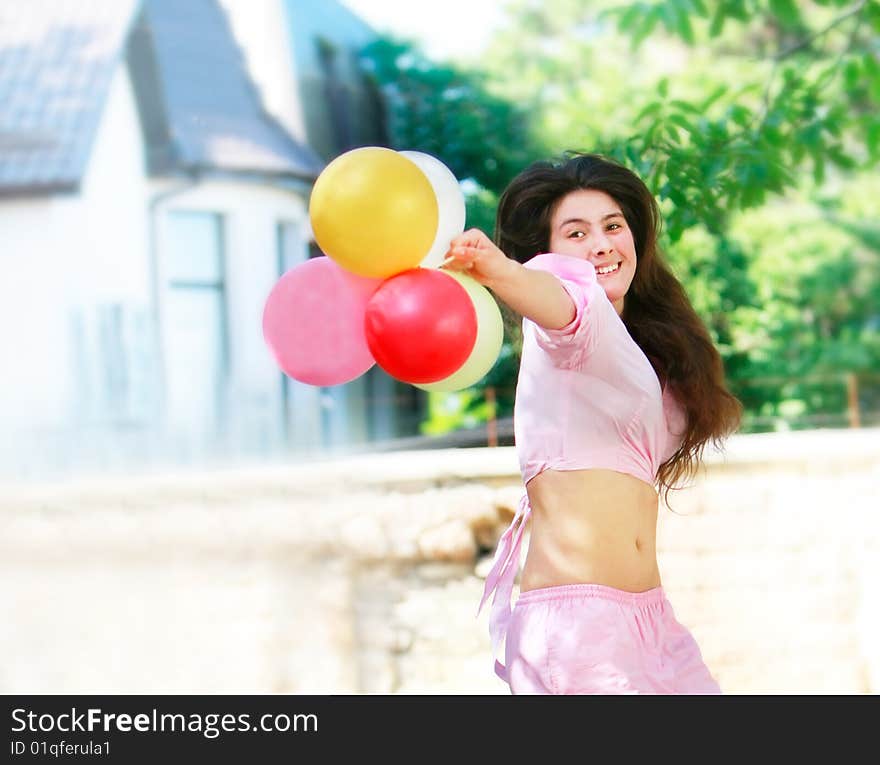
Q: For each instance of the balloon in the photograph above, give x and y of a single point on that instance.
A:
(450, 203)
(490, 336)
(420, 325)
(313, 323)
(374, 212)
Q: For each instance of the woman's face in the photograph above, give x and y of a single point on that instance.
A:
(589, 224)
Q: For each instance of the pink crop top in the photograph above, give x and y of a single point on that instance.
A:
(587, 396)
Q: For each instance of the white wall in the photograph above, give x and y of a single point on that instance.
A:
(73, 397)
(251, 214)
(33, 302)
(63, 257)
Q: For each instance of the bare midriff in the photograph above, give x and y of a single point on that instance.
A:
(591, 526)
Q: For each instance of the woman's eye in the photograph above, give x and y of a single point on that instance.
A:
(575, 234)
(613, 226)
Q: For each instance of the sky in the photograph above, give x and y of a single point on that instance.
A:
(438, 25)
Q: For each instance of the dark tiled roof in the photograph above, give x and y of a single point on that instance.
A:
(198, 107)
(56, 63)
(207, 114)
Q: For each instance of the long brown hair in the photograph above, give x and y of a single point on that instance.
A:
(657, 312)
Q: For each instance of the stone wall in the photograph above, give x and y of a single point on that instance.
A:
(363, 574)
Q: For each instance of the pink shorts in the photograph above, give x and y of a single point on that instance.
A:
(586, 638)
(589, 638)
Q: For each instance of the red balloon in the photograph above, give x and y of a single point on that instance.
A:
(421, 325)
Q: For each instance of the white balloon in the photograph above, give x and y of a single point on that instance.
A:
(450, 204)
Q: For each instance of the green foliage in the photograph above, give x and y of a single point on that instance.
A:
(449, 112)
(754, 122)
(453, 411)
(805, 123)
(480, 204)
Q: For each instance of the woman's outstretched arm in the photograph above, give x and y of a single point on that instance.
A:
(537, 295)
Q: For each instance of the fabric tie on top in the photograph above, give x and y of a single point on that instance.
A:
(501, 578)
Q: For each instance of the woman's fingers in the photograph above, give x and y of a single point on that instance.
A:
(473, 237)
(461, 257)
(465, 249)
(455, 262)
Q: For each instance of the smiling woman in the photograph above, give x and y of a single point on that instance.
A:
(589, 224)
(619, 388)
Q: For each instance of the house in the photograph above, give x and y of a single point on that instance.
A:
(309, 76)
(154, 184)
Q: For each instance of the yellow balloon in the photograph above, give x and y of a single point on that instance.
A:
(490, 335)
(374, 212)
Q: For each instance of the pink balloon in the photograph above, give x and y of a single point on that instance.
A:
(313, 322)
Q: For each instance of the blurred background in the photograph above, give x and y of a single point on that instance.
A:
(156, 161)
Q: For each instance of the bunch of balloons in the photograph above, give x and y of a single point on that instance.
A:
(384, 220)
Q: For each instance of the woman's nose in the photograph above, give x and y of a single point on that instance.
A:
(600, 245)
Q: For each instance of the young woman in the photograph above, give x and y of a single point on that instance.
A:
(619, 389)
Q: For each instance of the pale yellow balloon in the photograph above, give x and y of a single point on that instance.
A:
(490, 335)
(374, 212)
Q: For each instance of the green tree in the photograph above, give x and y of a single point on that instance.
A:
(801, 120)
(806, 86)
(727, 107)
(755, 124)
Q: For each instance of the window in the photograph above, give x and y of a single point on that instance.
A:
(195, 324)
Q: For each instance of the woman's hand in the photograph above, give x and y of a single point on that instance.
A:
(474, 254)
(533, 293)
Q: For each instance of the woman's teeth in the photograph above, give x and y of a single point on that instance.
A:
(608, 269)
